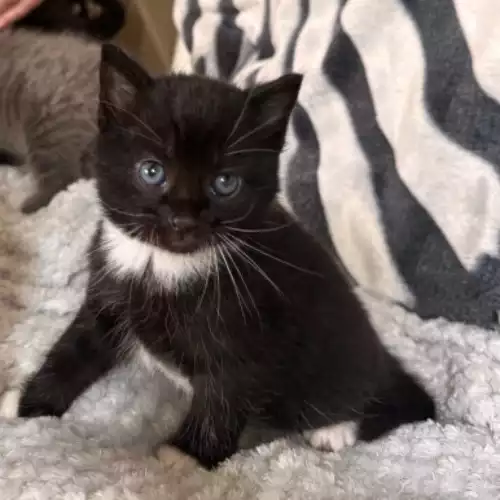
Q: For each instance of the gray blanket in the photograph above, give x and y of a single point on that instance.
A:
(101, 450)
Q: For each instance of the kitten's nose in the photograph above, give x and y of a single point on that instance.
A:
(183, 223)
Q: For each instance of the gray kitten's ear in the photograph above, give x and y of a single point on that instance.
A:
(274, 102)
(120, 79)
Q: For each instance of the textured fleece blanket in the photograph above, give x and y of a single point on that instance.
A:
(101, 449)
(393, 153)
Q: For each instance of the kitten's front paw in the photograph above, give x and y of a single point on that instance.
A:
(334, 437)
(208, 456)
(35, 203)
(9, 403)
(173, 458)
(31, 406)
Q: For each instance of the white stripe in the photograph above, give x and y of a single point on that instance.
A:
(460, 191)
(344, 182)
(479, 20)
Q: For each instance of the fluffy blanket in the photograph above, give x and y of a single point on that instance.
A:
(101, 450)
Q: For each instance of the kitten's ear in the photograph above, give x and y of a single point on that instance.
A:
(274, 102)
(120, 79)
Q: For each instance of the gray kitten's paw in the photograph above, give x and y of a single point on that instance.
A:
(35, 202)
(9, 403)
(172, 457)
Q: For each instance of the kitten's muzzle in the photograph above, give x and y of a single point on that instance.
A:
(183, 223)
(186, 233)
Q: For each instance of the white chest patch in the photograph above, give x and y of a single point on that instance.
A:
(127, 256)
(168, 369)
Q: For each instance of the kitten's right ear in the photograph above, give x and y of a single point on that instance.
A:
(120, 79)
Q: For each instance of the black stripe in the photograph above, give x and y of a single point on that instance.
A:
(440, 284)
(265, 44)
(229, 39)
(302, 173)
(454, 98)
(200, 66)
(292, 45)
(302, 178)
(192, 15)
(459, 106)
(265, 47)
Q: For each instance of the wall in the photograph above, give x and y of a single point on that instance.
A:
(149, 33)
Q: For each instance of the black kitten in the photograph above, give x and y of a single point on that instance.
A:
(99, 19)
(196, 266)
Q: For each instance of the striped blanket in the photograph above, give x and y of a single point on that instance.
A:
(393, 155)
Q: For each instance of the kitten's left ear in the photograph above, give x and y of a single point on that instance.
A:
(274, 102)
(120, 79)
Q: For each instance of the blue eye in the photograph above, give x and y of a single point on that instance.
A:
(152, 172)
(225, 185)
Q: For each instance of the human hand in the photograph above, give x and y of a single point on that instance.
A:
(13, 10)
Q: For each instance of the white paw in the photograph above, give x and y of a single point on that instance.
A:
(171, 457)
(334, 437)
(9, 403)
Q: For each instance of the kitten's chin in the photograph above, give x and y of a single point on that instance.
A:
(186, 246)
(184, 243)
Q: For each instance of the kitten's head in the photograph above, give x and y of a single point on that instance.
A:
(182, 159)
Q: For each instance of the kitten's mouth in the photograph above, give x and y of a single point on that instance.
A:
(184, 246)
(186, 243)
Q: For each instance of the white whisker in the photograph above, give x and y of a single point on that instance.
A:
(135, 117)
(244, 255)
(274, 257)
(207, 280)
(241, 302)
(246, 151)
(243, 217)
(250, 296)
(253, 131)
(240, 116)
(123, 212)
(217, 275)
(259, 230)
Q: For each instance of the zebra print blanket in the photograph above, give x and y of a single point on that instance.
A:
(393, 153)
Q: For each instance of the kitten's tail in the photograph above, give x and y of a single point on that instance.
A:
(403, 401)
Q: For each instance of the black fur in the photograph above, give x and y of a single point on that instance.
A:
(74, 15)
(9, 159)
(296, 348)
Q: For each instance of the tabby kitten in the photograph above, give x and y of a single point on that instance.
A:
(197, 268)
(48, 108)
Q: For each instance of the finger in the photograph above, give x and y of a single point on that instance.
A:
(15, 13)
(7, 6)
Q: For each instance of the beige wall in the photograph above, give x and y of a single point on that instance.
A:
(149, 33)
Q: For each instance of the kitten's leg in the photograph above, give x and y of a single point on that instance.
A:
(9, 403)
(212, 428)
(403, 400)
(85, 352)
(328, 423)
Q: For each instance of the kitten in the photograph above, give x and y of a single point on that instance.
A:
(98, 19)
(196, 267)
(48, 108)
